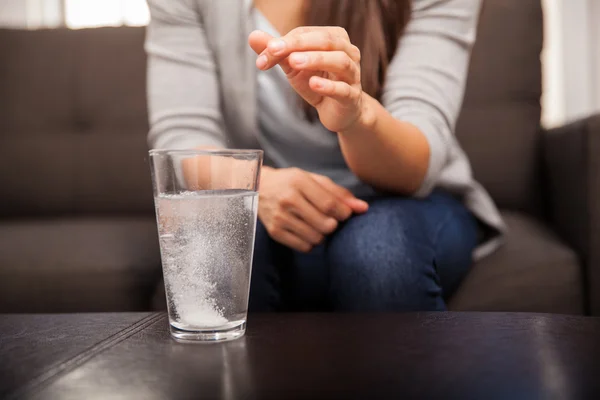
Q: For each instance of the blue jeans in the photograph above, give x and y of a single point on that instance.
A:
(404, 254)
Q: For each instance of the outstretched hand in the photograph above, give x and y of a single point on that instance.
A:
(322, 66)
(300, 209)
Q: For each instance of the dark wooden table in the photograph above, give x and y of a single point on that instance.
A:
(286, 356)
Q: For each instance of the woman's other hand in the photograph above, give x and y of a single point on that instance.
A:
(322, 66)
(299, 209)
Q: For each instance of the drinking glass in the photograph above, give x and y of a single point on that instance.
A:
(206, 205)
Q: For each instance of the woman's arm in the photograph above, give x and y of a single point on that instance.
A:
(401, 144)
(389, 154)
(422, 97)
(183, 88)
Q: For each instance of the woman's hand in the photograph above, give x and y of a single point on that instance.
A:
(299, 209)
(322, 66)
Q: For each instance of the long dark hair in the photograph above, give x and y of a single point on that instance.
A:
(374, 26)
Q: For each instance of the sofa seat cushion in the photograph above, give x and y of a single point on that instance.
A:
(74, 265)
(534, 271)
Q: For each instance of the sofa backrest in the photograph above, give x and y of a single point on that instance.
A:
(73, 122)
(499, 127)
(73, 118)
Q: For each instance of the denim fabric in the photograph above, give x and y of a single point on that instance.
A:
(404, 254)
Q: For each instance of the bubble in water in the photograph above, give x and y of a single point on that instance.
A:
(206, 241)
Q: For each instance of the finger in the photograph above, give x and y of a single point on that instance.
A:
(337, 90)
(357, 205)
(258, 41)
(303, 230)
(317, 40)
(337, 62)
(314, 38)
(323, 200)
(306, 211)
(341, 193)
(291, 240)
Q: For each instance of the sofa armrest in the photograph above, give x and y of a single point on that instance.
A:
(572, 166)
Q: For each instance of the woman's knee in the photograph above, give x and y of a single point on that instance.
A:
(383, 262)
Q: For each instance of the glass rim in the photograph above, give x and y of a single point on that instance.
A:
(206, 152)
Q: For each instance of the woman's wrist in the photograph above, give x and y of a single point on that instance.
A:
(367, 118)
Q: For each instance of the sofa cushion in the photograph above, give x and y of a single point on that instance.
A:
(112, 174)
(73, 122)
(36, 80)
(73, 265)
(499, 127)
(111, 81)
(105, 171)
(534, 271)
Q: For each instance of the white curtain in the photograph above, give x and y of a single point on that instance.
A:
(31, 14)
(36, 14)
(44, 13)
(91, 13)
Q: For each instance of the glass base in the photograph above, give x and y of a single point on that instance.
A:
(208, 335)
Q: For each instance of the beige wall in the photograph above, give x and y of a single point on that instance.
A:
(571, 60)
(595, 15)
(553, 104)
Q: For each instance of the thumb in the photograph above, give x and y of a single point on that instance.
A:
(358, 206)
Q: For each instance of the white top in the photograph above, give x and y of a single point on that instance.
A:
(204, 89)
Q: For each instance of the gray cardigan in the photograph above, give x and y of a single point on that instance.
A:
(202, 85)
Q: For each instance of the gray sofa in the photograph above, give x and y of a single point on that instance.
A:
(77, 230)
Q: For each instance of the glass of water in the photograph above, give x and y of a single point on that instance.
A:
(206, 205)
